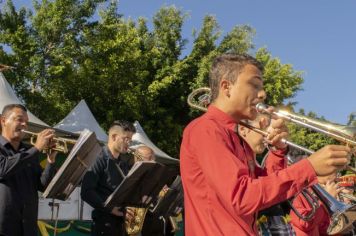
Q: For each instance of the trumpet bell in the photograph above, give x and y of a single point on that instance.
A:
(342, 221)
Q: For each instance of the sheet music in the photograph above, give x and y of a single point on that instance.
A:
(81, 157)
(143, 182)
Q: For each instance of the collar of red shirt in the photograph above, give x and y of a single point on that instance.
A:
(223, 118)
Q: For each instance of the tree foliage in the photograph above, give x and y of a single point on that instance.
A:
(68, 50)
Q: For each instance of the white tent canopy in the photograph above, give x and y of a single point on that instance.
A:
(140, 138)
(8, 96)
(81, 118)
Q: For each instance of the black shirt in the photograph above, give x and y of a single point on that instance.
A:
(21, 176)
(102, 179)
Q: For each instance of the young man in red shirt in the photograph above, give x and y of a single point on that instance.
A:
(222, 191)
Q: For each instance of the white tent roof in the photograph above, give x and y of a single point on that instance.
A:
(81, 118)
(140, 138)
(8, 96)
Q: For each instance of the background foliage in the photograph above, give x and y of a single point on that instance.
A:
(68, 50)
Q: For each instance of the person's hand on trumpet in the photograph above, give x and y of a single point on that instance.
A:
(277, 130)
(45, 140)
(330, 159)
(129, 215)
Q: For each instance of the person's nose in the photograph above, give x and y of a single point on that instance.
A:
(262, 95)
(24, 124)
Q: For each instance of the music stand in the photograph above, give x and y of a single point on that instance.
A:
(171, 204)
(81, 157)
(141, 185)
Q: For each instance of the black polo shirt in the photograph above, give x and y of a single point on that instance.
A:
(102, 179)
(21, 176)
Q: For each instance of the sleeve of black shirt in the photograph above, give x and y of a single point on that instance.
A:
(89, 186)
(9, 165)
(46, 175)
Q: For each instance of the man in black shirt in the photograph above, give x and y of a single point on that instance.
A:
(21, 175)
(104, 176)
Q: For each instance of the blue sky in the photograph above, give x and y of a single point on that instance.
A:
(316, 37)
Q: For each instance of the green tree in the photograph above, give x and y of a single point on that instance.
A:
(68, 50)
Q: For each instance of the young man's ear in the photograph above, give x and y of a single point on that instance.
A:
(2, 120)
(113, 136)
(225, 87)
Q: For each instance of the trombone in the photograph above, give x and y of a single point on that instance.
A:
(61, 144)
(342, 215)
(344, 134)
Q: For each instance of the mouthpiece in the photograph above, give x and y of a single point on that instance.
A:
(260, 107)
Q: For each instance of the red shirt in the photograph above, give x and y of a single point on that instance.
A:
(316, 226)
(221, 192)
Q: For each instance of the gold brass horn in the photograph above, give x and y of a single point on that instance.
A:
(134, 227)
(342, 215)
(61, 144)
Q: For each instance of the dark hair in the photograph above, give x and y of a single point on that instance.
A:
(10, 107)
(125, 125)
(229, 66)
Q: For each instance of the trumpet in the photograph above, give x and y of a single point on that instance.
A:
(342, 215)
(61, 144)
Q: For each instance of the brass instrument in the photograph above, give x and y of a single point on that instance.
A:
(61, 144)
(134, 226)
(344, 134)
(137, 156)
(174, 224)
(342, 215)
